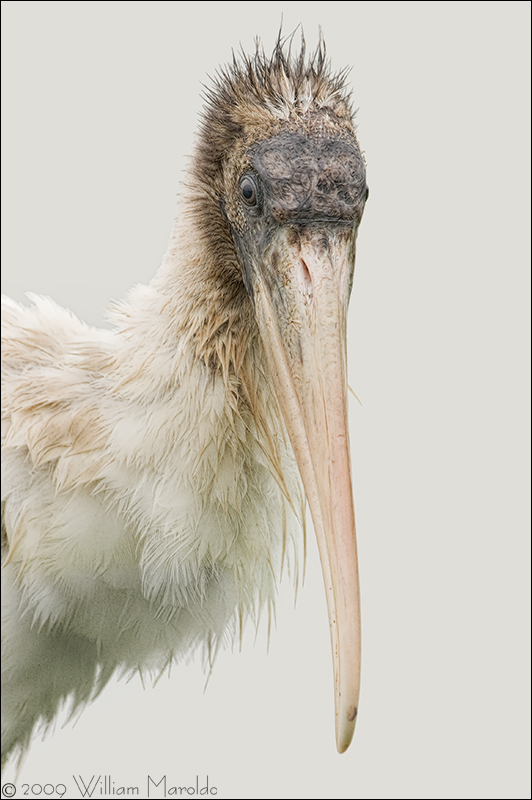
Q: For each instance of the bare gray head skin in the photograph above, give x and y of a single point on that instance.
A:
(304, 184)
(311, 177)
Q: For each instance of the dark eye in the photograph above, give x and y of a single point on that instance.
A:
(248, 191)
(367, 193)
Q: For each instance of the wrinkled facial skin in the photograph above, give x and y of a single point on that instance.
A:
(310, 178)
(304, 182)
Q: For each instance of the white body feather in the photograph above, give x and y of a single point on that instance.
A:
(144, 499)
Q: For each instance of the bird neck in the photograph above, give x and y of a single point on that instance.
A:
(196, 307)
(192, 367)
(192, 331)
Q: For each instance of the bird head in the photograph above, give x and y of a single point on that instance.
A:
(282, 184)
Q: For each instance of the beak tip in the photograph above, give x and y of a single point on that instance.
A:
(345, 733)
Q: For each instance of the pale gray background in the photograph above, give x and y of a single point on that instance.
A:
(100, 105)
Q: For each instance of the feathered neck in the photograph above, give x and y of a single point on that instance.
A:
(192, 353)
(195, 309)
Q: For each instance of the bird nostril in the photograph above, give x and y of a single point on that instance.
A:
(305, 274)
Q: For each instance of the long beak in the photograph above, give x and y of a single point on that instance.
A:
(301, 299)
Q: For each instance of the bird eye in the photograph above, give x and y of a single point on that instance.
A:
(248, 191)
(367, 193)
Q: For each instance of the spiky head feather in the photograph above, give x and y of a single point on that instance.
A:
(257, 96)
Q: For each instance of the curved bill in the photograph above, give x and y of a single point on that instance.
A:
(301, 294)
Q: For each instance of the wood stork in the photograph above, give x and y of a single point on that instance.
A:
(155, 473)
